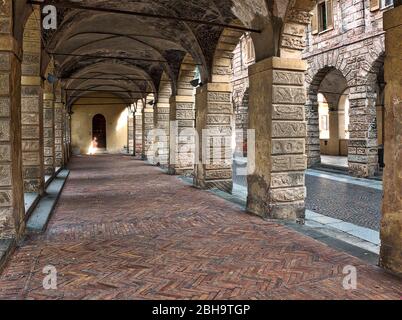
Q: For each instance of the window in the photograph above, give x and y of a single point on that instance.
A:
(386, 3)
(322, 17)
(377, 4)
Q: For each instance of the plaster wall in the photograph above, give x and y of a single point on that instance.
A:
(116, 124)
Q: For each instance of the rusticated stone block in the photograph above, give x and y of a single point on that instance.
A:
(219, 119)
(30, 132)
(220, 108)
(219, 97)
(30, 158)
(288, 77)
(5, 175)
(4, 107)
(4, 84)
(4, 130)
(288, 194)
(286, 112)
(288, 95)
(6, 198)
(288, 146)
(218, 174)
(185, 106)
(5, 153)
(284, 180)
(287, 129)
(289, 163)
(29, 118)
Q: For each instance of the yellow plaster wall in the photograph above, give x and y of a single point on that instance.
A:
(116, 124)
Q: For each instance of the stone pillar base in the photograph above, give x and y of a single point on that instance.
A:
(277, 114)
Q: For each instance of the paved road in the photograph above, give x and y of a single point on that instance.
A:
(126, 230)
(355, 204)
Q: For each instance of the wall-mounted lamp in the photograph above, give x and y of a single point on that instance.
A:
(196, 83)
(51, 78)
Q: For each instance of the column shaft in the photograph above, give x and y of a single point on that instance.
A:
(48, 133)
(131, 133)
(11, 182)
(182, 135)
(214, 127)
(147, 127)
(391, 226)
(138, 132)
(58, 134)
(32, 134)
(277, 114)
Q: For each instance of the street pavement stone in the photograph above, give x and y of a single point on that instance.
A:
(344, 201)
(126, 230)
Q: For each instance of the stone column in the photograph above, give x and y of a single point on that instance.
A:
(131, 133)
(182, 135)
(214, 127)
(58, 132)
(138, 130)
(161, 139)
(313, 149)
(276, 113)
(391, 226)
(11, 182)
(147, 127)
(363, 145)
(32, 134)
(334, 132)
(48, 132)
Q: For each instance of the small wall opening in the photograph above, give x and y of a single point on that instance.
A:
(99, 131)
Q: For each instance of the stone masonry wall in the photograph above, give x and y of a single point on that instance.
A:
(353, 46)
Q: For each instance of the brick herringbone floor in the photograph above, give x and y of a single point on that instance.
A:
(125, 230)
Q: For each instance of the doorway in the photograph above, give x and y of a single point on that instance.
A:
(99, 130)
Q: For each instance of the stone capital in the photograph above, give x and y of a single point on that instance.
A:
(276, 63)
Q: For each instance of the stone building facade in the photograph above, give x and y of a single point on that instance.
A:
(345, 54)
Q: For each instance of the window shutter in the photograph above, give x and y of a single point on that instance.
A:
(314, 21)
(330, 17)
(374, 5)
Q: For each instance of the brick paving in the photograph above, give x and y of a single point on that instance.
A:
(126, 230)
(345, 201)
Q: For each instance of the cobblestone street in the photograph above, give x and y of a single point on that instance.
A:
(126, 230)
(345, 201)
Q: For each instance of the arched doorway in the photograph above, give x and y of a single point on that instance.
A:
(99, 130)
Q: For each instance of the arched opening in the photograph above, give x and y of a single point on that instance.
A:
(99, 131)
(328, 119)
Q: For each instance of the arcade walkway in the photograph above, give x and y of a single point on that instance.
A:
(125, 230)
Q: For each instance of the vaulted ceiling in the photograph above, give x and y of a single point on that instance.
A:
(127, 53)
